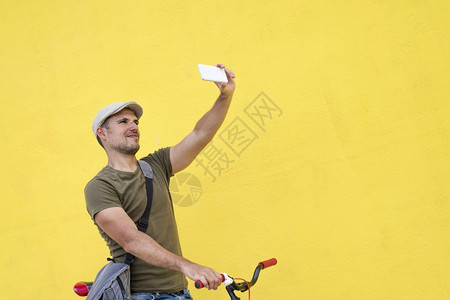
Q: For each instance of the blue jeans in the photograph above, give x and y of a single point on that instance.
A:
(183, 295)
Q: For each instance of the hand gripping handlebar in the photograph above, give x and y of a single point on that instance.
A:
(240, 286)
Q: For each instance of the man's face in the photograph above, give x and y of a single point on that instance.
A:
(122, 132)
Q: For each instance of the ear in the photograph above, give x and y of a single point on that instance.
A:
(101, 132)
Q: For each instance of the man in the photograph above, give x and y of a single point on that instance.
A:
(116, 198)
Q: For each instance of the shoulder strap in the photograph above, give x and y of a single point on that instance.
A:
(148, 173)
(142, 224)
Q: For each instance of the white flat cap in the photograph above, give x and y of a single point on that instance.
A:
(112, 109)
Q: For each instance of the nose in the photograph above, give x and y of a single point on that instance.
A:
(133, 126)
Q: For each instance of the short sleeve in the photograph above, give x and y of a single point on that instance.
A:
(100, 195)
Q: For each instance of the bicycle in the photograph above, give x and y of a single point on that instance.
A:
(231, 285)
(82, 288)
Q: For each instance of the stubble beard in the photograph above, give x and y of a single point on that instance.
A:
(127, 149)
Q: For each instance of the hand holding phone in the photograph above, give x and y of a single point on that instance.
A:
(212, 73)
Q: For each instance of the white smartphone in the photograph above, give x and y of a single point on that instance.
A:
(212, 73)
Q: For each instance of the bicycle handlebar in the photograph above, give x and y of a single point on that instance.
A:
(82, 288)
(261, 265)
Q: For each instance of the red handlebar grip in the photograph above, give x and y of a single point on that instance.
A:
(269, 263)
(81, 289)
(199, 284)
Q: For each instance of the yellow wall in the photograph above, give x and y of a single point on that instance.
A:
(345, 182)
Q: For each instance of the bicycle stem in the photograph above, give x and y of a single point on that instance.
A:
(243, 286)
(231, 293)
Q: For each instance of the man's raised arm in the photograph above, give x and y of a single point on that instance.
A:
(182, 154)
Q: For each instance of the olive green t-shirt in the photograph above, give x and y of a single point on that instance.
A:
(113, 188)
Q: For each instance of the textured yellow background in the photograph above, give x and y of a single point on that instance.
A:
(347, 182)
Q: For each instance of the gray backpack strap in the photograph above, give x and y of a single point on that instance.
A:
(142, 224)
(146, 168)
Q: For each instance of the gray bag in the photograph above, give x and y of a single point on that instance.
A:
(111, 283)
(113, 280)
